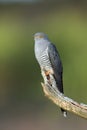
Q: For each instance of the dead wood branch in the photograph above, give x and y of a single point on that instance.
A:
(51, 91)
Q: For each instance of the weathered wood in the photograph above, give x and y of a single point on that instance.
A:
(51, 91)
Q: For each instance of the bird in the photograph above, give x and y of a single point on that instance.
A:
(48, 58)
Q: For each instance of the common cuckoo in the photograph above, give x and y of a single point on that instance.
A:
(49, 59)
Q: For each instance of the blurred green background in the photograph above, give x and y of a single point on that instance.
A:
(23, 105)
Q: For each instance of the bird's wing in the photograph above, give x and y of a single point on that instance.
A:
(56, 65)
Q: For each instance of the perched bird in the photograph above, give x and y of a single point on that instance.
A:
(49, 59)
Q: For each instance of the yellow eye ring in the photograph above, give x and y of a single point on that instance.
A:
(39, 37)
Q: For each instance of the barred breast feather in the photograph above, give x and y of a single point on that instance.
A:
(43, 59)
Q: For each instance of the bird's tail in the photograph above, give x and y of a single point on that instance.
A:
(64, 112)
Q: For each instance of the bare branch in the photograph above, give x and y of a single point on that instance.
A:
(51, 91)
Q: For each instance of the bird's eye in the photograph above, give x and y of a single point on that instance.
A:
(38, 36)
(41, 36)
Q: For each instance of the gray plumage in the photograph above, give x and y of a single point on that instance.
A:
(48, 58)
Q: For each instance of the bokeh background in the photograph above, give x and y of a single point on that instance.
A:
(23, 105)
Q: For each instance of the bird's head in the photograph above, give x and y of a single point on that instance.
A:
(40, 36)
